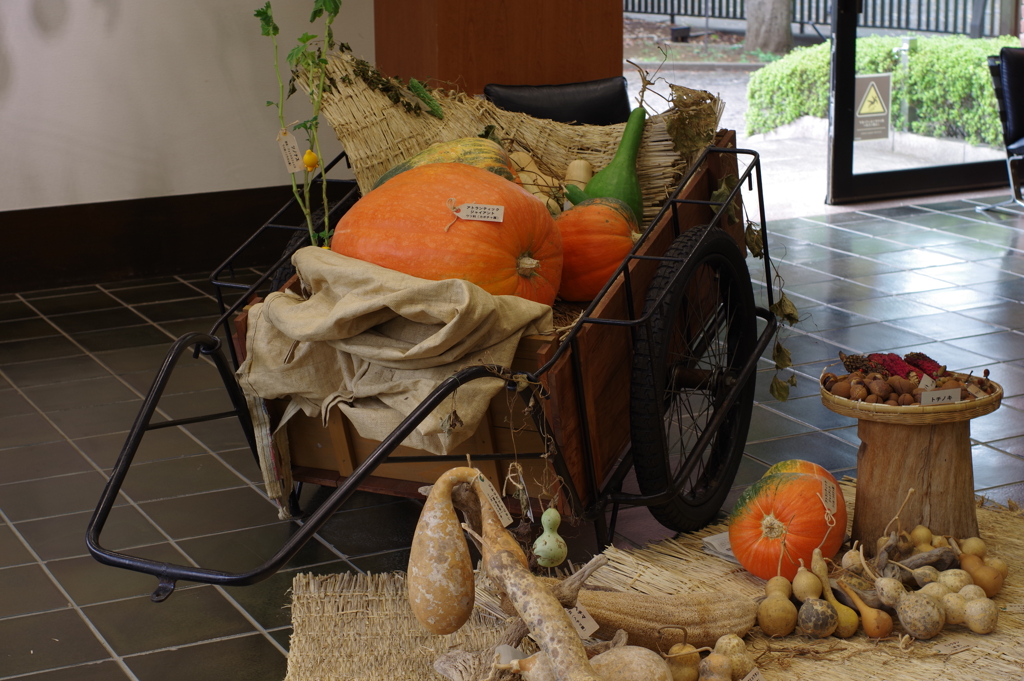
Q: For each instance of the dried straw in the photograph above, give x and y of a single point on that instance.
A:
(377, 133)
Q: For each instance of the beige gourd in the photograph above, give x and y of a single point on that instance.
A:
(981, 615)
(877, 623)
(805, 584)
(683, 660)
(848, 619)
(715, 667)
(534, 181)
(741, 662)
(631, 663)
(776, 614)
(578, 173)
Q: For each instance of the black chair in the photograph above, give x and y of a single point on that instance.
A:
(1008, 82)
(592, 102)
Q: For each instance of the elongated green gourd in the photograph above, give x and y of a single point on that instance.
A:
(575, 194)
(618, 179)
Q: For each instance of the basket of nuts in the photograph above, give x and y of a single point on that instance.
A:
(913, 389)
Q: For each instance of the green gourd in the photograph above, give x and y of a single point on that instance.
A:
(618, 179)
(575, 194)
(549, 548)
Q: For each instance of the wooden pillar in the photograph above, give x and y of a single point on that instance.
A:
(934, 460)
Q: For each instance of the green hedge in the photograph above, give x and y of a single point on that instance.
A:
(951, 90)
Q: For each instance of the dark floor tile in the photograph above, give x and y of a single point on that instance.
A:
(13, 404)
(1009, 262)
(1004, 313)
(944, 326)
(1011, 289)
(22, 329)
(840, 218)
(88, 581)
(849, 434)
(54, 371)
(219, 435)
(1002, 347)
(27, 589)
(382, 528)
(986, 232)
(971, 250)
(830, 293)
(245, 549)
(967, 273)
(795, 275)
(937, 220)
(125, 337)
(76, 394)
(138, 624)
(804, 387)
(956, 204)
(178, 477)
(916, 258)
(269, 601)
(137, 282)
(15, 309)
(1017, 402)
(823, 317)
(872, 226)
(211, 512)
(169, 290)
(313, 496)
(810, 410)
(993, 468)
(895, 283)
(59, 292)
(44, 641)
(636, 528)
(391, 561)
(244, 463)
(767, 425)
(188, 376)
(99, 420)
(926, 238)
(184, 405)
(800, 252)
(33, 499)
(34, 349)
(156, 445)
(851, 266)
(819, 448)
(12, 551)
(130, 360)
(178, 309)
(895, 212)
(876, 337)
(950, 299)
(112, 318)
(78, 302)
(750, 471)
(26, 429)
(884, 309)
(40, 461)
(999, 425)
(93, 671)
(252, 658)
(64, 536)
(804, 348)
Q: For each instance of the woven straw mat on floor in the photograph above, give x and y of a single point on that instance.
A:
(359, 627)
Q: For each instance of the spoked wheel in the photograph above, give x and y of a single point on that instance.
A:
(684, 364)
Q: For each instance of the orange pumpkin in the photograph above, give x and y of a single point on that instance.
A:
(785, 507)
(596, 235)
(799, 466)
(473, 151)
(408, 224)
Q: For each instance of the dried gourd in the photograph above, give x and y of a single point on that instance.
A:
(741, 662)
(683, 660)
(877, 623)
(921, 615)
(981, 615)
(817, 618)
(631, 663)
(848, 620)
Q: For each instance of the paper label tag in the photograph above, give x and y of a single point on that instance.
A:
(718, 545)
(581, 619)
(952, 646)
(495, 499)
(828, 495)
(479, 211)
(926, 383)
(1014, 608)
(290, 150)
(975, 390)
(754, 675)
(930, 397)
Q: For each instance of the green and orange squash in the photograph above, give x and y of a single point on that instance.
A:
(475, 151)
(408, 224)
(597, 234)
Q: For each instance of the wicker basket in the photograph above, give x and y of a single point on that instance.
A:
(915, 414)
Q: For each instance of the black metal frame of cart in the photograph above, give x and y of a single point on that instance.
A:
(344, 193)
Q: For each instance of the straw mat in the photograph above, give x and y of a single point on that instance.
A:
(357, 627)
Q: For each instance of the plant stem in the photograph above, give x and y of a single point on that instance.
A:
(284, 129)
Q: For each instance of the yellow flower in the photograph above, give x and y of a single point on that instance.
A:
(310, 160)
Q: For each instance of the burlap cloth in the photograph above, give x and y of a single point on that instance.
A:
(374, 343)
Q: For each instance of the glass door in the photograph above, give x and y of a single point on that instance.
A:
(910, 113)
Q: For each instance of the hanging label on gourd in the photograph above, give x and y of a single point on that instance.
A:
(290, 150)
(930, 397)
(754, 675)
(952, 646)
(480, 211)
(495, 499)
(927, 382)
(828, 495)
(581, 619)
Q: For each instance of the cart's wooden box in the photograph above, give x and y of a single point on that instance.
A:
(603, 352)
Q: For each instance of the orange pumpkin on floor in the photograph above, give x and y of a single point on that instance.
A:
(408, 224)
(596, 235)
(785, 515)
(799, 466)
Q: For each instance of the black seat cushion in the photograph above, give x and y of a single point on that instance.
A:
(592, 102)
(1012, 79)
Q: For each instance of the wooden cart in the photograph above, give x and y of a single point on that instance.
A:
(656, 376)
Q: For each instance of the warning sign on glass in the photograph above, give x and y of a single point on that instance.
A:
(872, 102)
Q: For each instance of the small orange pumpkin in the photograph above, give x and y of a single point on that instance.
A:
(596, 235)
(408, 224)
(785, 507)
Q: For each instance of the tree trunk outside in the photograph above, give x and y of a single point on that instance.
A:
(769, 26)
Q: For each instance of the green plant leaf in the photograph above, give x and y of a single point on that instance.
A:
(725, 187)
(785, 310)
(270, 103)
(320, 7)
(779, 389)
(781, 356)
(266, 16)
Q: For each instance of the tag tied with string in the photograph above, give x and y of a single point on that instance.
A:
(290, 151)
(474, 211)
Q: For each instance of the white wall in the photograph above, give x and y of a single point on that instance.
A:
(103, 100)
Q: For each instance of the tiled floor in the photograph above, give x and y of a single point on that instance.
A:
(74, 363)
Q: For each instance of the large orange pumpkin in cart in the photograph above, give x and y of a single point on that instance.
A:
(597, 234)
(410, 224)
(787, 515)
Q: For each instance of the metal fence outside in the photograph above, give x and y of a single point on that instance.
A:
(977, 18)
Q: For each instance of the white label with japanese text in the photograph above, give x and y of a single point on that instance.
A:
(290, 150)
(1014, 608)
(495, 499)
(952, 647)
(479, 211)
(754, 675)
(581, 619)
(976, 391)
(930, 397)
(828, 495)
(926, 383)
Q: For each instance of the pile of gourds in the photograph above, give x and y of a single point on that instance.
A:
(416, 220)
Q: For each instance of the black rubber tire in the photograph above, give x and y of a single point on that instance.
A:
(701, 335)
